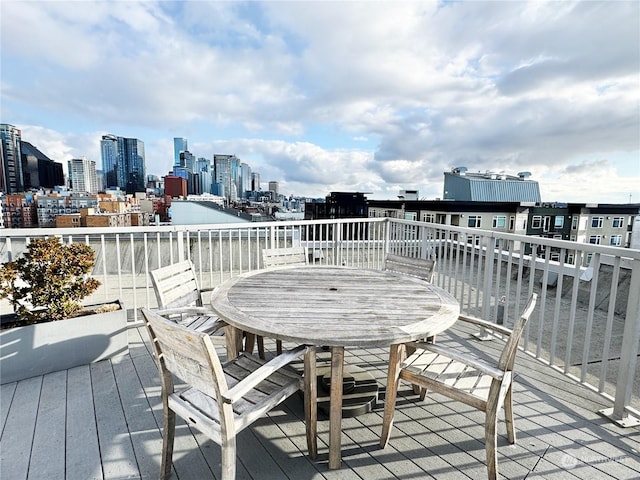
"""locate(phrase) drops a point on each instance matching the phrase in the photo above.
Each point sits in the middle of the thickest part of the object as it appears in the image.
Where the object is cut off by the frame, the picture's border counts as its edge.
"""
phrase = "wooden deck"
(102, 422)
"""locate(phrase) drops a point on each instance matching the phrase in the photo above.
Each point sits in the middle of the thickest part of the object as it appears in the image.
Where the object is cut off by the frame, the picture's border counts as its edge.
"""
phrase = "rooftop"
(103, 421)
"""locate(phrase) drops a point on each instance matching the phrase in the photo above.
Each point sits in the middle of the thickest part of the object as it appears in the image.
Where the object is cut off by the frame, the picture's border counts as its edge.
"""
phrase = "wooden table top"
(335, 306)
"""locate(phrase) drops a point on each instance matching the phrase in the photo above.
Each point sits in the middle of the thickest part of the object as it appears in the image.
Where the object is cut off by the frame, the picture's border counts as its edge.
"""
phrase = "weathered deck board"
(46, 459)
(116, 449)
(18, 430)
(559, 432)
(83, 450)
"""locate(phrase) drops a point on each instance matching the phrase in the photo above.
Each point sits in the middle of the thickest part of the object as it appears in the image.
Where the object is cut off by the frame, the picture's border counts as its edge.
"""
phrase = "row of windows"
(598, 222)
(537, 221)
(614, 240)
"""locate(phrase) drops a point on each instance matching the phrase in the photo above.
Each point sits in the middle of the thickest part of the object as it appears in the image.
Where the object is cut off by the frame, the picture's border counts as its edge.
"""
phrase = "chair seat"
(211, 325)
(451, 373)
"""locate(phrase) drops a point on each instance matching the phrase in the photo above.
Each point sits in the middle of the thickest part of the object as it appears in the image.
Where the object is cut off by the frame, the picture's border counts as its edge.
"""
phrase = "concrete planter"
(48, 347)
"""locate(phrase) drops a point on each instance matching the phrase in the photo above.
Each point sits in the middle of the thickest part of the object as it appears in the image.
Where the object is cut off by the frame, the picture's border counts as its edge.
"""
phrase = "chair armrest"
(468, 360)
(488, 325)
(249, 382)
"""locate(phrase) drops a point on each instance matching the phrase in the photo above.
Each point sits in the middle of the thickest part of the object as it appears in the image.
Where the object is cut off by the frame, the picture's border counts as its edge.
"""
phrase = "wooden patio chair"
(220, 400)
(180, 298)
(473, 381)
(414, 267)
(278, 257)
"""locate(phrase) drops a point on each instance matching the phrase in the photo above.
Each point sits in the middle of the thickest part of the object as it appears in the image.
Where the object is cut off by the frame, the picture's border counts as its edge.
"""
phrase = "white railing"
(586, 323)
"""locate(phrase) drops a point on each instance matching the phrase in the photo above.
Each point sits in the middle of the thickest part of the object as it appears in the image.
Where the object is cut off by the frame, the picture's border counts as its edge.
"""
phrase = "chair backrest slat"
(508, 356)
(416, 267)
(186, 353)
(176, 285)
(273, 257)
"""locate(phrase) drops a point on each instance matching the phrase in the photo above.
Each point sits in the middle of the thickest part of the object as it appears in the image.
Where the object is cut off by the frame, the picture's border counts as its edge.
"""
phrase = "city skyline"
(326, 96)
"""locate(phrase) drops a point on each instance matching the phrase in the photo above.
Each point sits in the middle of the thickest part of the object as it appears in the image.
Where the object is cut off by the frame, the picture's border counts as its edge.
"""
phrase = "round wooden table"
(337, 307)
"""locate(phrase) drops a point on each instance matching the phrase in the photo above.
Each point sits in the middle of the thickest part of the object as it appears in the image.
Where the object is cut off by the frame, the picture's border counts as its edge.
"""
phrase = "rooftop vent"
(460, 170)
(524, 175)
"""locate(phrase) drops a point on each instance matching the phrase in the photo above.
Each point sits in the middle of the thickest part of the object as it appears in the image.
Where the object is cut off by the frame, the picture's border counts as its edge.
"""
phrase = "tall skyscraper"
(109, 149)
(82, 175)
(255, 182)
(123, 162)
(38, 170)
(245, 179)
(222, 174)
(179, 146)
(203, 169)
(11, 178)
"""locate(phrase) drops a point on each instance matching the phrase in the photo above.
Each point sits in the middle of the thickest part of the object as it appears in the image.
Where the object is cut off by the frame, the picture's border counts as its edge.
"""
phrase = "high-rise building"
(245, 179)
(187, 160)
(179, 146)
(273, 187)
(123, 162)
(38, 170)
(109, 149)
(11, 178)
(82, 175)
(255, 182)
(227, 176)
(203, 169)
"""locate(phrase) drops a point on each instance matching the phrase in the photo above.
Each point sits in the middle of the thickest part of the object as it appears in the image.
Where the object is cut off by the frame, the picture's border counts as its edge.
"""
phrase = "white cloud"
(538, 86)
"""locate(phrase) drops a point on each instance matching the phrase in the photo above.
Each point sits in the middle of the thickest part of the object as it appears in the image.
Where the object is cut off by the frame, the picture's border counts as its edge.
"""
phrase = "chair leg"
(508, 414)
(228, 458)
(491, 443)
(417, 390)
(260, 342)
(249, 342)
(393, 379)
(169, 431)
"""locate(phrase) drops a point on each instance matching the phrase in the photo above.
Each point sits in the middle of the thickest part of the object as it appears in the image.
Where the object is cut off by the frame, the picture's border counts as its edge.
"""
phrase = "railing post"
(487, 283)
(628, 358)
(180, 239)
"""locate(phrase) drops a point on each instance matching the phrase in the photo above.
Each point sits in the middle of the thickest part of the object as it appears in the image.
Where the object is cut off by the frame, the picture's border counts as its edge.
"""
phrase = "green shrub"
(48, 282)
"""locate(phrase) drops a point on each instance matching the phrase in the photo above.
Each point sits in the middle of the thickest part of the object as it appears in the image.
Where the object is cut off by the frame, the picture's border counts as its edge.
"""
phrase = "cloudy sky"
(327, 96)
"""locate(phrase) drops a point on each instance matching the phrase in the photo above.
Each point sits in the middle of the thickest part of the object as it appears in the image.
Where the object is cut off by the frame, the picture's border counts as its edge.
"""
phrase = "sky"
(326, 96)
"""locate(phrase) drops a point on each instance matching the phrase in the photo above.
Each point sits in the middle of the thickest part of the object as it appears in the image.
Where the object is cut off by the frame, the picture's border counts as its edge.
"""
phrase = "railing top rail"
(81, 231)
(566, 244)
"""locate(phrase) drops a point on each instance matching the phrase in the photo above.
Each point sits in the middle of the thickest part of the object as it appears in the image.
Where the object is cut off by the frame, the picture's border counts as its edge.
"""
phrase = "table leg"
(233, 338)
(335, 413)
(311, 401)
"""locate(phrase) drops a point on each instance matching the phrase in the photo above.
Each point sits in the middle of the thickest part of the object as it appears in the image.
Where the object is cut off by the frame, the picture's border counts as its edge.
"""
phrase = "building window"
(616, 240)
(512, 223)
(595, 239)
(558, 222)
(410, 216)
(547, 224)
(474, 221)
(617, 222)
(574, 222)
(429, 217)
(596, 222)
(573, 238)
(536, 221)
(499, 221)
(570, 259)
